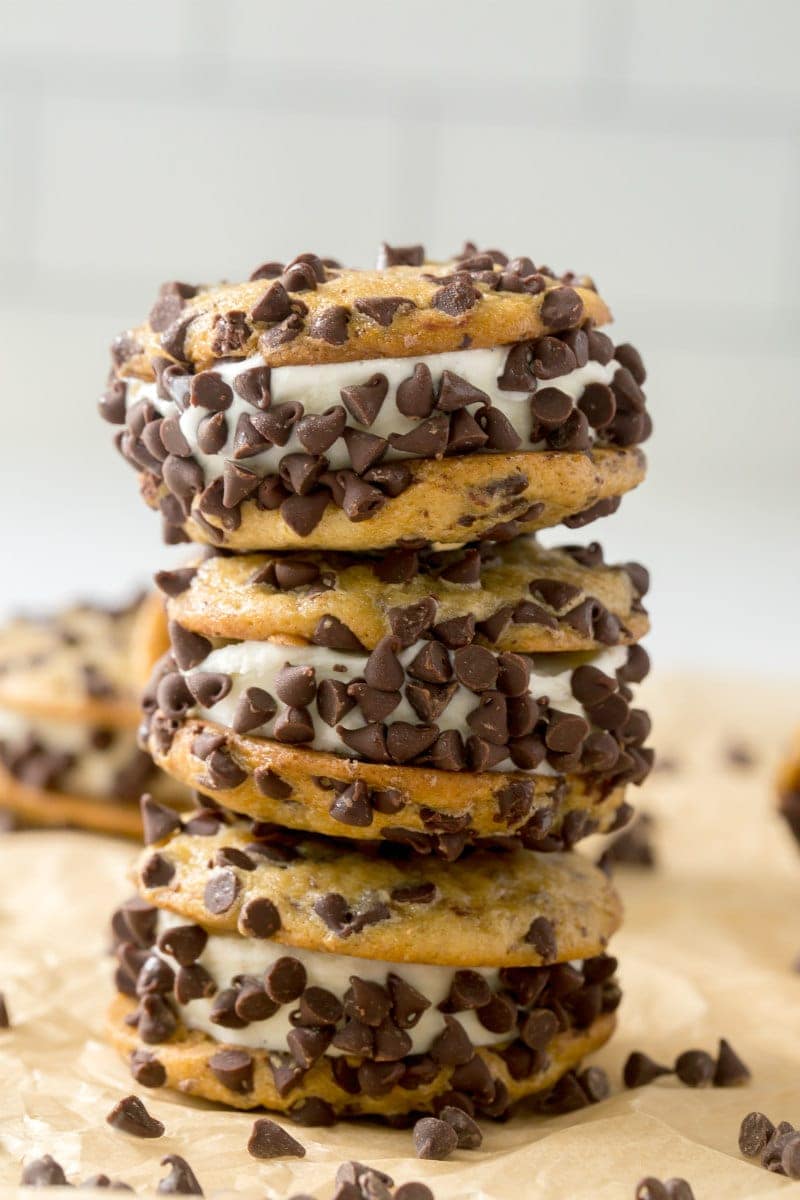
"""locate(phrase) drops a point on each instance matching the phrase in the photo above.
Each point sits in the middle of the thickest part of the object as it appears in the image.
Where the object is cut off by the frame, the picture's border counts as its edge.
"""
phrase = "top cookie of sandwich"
(314, 311)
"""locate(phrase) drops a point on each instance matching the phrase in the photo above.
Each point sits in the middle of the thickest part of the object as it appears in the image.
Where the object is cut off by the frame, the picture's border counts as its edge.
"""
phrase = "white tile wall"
(655, 146)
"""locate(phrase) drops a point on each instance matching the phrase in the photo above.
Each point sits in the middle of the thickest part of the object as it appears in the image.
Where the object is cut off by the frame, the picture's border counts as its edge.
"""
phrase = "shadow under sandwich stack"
(403, 711)
(69, 711)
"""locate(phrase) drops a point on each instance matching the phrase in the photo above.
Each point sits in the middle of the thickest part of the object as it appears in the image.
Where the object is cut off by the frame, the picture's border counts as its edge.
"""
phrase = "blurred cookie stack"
(403, 711)
(69, 711)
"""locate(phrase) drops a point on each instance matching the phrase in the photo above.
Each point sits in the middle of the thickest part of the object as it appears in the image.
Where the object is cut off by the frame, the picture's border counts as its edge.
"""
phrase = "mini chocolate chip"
(475, 667)
(363, 401)
(333, 701)
(383, 309)
(415, 396)
(468, 990)
(467, 1130)
(400, 256)
(456, 393)
(333, 634)
(285, 980)
(271, 785)
(729, 1071)
(274, 305)
(307, 1044)
(303, 513)
(365, 449)
(541, 935)
(452, 1046)
(221, 891)
(43, 1172)
(130, 1116)
(330, 324)
(434, 1138)
(234, 1069)
(428, 440)
(184, 942)
(189, 648)
(695, 1068)
(147, 1070)
(254, 707)
(181, 1179)
(640, 1069)
(158, 821)
(293, 726)
(173, 583)
(754, 1133)
(269, 1140)
(223, 771)
(317, 432)
(296, 686)
(157, 871)
(561, 308)
(259, 918)
(369, 741)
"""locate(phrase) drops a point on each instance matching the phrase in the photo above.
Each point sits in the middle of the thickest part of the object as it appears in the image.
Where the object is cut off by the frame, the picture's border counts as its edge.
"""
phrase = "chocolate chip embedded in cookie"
(498, 907)
(519, 595)
(369, 405)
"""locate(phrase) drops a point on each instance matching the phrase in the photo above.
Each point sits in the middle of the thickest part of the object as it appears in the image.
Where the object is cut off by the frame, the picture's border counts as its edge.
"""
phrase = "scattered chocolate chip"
(695, 1068)
(754, 1133)
(43, 1172)
(467, 1130)
(259, 918)
(434, 1138)
(640, 1069)
(181, 1179)
(729, 1071)
(130, 1116)
(270, 1140)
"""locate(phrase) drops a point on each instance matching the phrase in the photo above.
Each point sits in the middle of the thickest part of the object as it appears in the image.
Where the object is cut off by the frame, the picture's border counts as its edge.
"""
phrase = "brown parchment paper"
(706, 950)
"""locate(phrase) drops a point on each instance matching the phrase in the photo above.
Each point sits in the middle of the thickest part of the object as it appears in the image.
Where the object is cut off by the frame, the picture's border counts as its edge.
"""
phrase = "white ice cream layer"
(256, 664)
(318, 388)
(228, 955)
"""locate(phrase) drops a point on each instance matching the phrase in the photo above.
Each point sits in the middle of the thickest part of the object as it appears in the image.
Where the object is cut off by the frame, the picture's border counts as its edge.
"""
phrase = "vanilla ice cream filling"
(257, 664)
(318, 388)
(93, 772)
(228, 955)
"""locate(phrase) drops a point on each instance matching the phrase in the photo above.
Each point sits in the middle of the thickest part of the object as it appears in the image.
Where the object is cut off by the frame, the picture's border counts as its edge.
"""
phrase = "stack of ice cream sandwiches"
(401, 710)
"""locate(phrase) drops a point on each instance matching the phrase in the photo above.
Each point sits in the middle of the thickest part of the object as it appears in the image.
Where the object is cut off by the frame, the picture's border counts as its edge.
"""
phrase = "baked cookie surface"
(496, 908)
(521, 596)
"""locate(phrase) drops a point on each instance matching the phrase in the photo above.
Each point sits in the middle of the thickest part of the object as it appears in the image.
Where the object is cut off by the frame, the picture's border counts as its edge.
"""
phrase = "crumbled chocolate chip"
(434, 1138)
(259, 918)
(695, 1068)
(181, 1179)
(43, 1172)
(729, 1071)
(130, 1116)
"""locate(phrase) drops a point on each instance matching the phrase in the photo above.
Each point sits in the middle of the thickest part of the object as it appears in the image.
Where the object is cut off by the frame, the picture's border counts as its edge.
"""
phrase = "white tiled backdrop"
(652, 145)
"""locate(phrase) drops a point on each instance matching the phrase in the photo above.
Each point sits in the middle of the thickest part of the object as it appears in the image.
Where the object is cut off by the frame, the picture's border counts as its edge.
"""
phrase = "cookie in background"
(69, 712)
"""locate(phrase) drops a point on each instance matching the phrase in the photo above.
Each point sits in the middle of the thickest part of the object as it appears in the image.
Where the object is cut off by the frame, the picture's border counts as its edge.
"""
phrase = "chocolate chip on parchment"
(129, 1115)
(695, 1068)
(729, 1071)
(413, 1190)
(43, 1172)
(434, 1138)
(640, 1069)
(270, 1140)
(754, 1133)
(181, 1179)
(651, 1188)
(259, 918)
